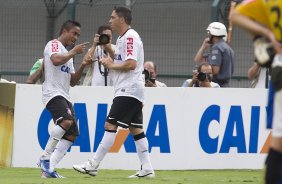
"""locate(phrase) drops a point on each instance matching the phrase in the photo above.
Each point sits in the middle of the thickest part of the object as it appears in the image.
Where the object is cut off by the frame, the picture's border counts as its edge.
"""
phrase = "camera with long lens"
(104, 39)
(202, 76)
(147, 75)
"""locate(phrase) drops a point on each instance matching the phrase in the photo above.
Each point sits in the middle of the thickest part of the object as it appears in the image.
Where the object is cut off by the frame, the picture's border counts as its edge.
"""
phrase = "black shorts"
(126, 112)
(61, 109)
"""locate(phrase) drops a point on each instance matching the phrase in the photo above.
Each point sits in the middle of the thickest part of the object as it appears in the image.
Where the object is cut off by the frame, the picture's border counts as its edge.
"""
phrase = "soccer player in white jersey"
(59, 76)
(129, 85)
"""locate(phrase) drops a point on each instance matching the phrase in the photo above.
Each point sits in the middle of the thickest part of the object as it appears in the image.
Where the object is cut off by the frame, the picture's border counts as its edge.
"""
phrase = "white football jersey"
(130, 83)
(57, 78)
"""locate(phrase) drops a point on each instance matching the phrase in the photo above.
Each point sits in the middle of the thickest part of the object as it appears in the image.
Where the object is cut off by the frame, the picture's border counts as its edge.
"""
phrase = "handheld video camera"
(104, 39)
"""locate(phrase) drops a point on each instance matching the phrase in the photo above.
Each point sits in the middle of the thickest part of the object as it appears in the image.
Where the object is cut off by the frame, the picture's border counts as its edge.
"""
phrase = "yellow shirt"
(267, 12)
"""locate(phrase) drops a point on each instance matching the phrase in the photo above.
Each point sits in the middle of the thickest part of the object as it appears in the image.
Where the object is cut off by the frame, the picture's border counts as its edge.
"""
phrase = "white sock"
(56, 135)
(60, 151)
(104, 146)
(142, 147)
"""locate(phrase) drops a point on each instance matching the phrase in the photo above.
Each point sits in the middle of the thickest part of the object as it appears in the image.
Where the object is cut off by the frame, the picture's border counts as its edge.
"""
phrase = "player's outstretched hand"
(87, 60)
(78, 49)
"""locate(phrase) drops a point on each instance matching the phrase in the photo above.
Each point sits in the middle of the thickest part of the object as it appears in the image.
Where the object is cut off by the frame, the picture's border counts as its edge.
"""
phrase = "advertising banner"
(187, 128)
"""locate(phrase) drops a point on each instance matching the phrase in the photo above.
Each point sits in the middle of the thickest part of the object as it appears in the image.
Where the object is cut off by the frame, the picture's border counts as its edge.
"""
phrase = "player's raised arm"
(59, 59)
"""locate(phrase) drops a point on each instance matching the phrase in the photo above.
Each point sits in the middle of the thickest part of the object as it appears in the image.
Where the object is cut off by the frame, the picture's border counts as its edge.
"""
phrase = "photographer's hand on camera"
(149, 83)
(150, 80)
(95, 40)
(104, 41)
(194, 79)
(204, 79)
(199, 80)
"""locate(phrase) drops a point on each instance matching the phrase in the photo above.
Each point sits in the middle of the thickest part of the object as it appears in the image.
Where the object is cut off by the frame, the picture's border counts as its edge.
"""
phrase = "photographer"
(98, 75)
(217, 53)
(150, 72)
(259, 76)
(202, 77)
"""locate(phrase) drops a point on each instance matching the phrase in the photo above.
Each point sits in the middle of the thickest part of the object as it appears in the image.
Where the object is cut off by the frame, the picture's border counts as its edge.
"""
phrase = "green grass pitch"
(32, 176)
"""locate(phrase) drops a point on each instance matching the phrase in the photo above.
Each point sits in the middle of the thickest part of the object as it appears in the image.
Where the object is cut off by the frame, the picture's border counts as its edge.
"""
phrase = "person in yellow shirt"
(263, 18)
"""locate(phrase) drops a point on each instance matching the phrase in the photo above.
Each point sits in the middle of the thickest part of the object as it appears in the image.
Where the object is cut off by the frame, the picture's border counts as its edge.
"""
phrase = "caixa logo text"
(234, 132)
(157, 123)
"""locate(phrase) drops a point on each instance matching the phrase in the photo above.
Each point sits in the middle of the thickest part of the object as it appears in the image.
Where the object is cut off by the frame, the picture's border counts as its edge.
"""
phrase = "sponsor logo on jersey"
(118, 57)
(55, 46)
(129, 46)
(65, 69)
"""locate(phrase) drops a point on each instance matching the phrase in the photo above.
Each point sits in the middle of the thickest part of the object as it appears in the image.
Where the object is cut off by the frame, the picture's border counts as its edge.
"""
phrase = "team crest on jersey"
(55, 46)
(129, 46)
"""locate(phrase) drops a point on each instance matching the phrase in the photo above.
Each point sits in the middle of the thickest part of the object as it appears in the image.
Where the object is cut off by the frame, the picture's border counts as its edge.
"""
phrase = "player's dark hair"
(125, 13)
(69, 24)
(103, 28)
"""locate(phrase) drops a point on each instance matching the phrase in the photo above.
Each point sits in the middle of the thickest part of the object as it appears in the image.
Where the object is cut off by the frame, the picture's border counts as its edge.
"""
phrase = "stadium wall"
(172, 32)
(187, 128)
